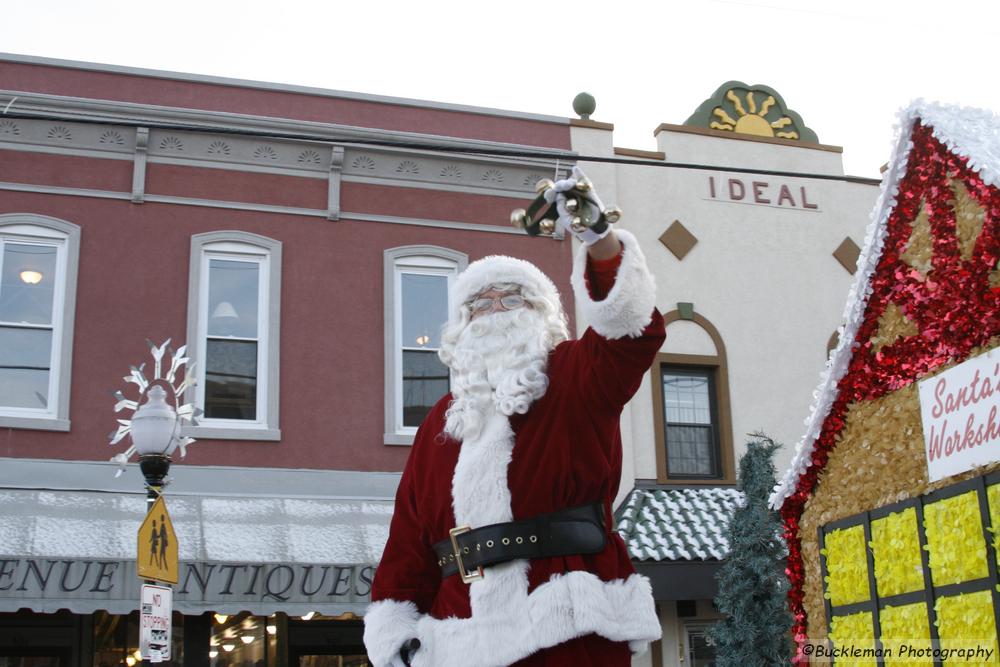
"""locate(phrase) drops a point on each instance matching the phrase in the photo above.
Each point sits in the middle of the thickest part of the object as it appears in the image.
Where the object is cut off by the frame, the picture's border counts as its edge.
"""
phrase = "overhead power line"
(540, 153)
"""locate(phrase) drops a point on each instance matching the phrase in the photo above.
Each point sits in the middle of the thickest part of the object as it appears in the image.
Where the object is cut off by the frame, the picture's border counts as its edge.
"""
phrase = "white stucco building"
(753, 246)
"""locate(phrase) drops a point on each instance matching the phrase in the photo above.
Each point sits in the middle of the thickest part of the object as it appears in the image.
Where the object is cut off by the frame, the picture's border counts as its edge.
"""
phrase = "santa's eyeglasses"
(507, 302)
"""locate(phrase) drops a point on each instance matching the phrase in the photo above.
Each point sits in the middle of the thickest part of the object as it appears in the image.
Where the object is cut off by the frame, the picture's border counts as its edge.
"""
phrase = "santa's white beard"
(498, 365)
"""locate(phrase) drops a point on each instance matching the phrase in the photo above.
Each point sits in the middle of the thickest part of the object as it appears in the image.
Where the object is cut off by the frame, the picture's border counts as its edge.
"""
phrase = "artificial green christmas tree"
(753, 587)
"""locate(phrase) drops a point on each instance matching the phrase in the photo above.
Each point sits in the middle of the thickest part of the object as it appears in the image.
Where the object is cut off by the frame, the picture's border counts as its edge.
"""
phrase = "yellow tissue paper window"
(846, 566)
(966, 621)
(906, 635)
(993, 496)
(955, 539)
(854, 633)
(896, 550)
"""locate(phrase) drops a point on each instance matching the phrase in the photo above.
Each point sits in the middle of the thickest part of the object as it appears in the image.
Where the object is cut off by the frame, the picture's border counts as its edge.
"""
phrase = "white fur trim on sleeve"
(628, 308)
(388, 625)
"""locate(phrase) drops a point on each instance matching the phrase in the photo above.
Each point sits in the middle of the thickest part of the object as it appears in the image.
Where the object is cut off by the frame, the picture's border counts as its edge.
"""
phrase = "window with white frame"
(417, 282)
(38, 269)
(233, 330)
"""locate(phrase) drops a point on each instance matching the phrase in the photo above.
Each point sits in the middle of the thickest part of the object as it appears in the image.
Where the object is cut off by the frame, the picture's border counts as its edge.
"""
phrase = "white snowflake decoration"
(185, 413)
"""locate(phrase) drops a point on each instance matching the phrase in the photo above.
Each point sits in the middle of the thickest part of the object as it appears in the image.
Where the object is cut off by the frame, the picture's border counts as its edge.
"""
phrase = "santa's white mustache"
(498, 364)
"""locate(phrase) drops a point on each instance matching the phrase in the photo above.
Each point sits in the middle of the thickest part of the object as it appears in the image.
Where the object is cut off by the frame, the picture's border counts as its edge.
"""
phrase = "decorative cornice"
(496, 176)
(132, 113)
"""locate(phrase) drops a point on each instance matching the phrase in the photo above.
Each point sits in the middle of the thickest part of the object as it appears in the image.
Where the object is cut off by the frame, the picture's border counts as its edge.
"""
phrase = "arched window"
(417, 282)
(234, 309)
(693, 423)
(39, 257)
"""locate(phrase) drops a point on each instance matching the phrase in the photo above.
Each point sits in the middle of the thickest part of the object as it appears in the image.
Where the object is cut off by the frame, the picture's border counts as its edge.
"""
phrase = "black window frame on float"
(930, 593)
(708, 373)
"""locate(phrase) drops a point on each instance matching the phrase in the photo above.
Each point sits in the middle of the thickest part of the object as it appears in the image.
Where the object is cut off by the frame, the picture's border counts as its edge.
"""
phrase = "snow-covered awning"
(76, 549)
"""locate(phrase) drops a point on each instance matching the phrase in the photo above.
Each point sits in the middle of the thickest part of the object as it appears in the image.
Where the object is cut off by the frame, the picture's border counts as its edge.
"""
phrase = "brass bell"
(572, 205)
(613, 214)
(583, 186)
(543, 185)
(519, 218)
(547, 226)
(577, 225)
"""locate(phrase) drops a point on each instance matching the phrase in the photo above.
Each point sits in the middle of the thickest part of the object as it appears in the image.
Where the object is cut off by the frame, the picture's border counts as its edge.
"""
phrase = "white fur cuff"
(628, 308)
(388, 625)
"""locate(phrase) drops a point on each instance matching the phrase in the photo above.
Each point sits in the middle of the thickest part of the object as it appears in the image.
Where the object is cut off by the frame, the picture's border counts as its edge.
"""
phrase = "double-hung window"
(233, 334)
(38, 268)
(691, 426)
(691, 409)
(417, 283)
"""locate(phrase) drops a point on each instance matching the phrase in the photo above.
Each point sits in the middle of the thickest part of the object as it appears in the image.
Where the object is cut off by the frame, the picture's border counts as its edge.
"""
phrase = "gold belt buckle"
(467, 577)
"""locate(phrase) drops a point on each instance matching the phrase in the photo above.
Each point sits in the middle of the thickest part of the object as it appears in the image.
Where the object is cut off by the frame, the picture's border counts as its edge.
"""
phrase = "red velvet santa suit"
(566, 451)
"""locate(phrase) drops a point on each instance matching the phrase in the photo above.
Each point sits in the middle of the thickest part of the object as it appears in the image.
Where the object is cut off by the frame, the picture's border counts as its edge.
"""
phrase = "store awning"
(676, 537)
(76, 549)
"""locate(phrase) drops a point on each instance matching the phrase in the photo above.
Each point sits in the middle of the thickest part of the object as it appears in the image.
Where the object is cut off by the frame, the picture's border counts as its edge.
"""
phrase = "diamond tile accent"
(677, 524)
(847, 254)
(678, 239)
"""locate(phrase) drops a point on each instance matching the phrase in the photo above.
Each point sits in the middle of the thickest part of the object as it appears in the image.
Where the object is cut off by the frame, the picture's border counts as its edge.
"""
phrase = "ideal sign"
(959, 409)
(760, 192)
(154, 623)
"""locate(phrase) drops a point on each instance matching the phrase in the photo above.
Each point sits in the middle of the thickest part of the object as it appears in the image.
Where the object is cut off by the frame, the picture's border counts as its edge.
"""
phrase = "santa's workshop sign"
(959, 410)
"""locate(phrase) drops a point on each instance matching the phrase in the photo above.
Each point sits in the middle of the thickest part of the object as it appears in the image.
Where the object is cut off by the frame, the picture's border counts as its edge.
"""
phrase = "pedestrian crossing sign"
(157, 546)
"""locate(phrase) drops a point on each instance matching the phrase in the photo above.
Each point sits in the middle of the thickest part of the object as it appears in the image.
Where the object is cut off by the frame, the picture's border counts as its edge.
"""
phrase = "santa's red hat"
(499, 269)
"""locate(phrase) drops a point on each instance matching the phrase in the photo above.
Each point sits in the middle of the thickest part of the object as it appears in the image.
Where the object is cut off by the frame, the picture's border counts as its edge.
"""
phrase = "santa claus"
(502, 548)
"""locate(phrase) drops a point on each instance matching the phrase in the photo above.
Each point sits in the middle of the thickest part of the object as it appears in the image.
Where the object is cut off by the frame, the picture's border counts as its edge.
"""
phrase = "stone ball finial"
(584, 105)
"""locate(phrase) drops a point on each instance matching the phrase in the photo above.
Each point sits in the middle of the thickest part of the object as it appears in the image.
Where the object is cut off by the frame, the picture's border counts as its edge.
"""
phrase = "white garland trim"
(628, 308)
(388, 625)
(970, 133)
(564, 608)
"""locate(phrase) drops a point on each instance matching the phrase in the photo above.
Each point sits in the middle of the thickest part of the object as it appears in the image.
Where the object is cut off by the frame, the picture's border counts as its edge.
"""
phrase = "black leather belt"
(573, 531)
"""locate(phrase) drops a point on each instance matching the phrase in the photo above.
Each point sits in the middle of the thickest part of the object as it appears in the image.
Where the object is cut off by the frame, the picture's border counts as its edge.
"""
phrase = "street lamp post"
(155, 431)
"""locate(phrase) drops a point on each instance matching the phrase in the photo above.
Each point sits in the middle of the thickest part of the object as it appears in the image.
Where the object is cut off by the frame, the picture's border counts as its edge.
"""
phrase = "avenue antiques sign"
(46, 584)
(959, 410)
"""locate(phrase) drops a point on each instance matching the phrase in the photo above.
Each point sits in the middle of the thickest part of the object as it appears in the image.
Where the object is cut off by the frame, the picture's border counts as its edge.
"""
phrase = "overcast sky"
(846, 67)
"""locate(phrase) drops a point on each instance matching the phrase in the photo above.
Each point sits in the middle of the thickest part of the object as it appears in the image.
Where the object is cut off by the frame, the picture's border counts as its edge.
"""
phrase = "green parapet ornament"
(756, 110)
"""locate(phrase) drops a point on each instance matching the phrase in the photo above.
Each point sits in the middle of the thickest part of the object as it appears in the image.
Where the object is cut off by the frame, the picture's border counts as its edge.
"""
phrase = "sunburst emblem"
(753, 121)
(407, 167)
(172, 144)
(174, 385)
(265, 153)
(493, 176)
(309, 157)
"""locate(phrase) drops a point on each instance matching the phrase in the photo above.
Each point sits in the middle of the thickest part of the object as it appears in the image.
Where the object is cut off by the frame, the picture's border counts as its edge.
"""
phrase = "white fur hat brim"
(499, 269)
